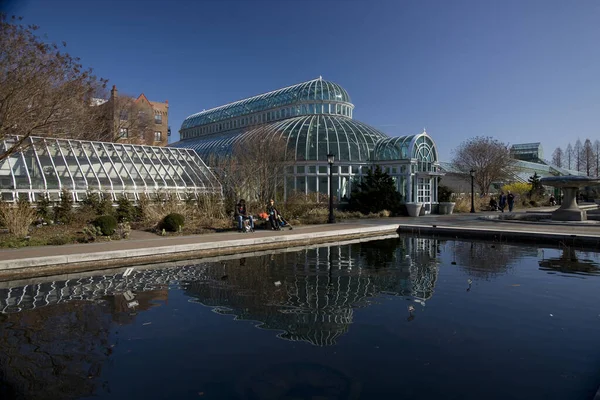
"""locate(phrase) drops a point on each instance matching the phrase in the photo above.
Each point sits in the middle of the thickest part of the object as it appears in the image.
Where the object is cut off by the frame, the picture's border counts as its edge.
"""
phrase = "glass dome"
(316, 90)
(311, 137)
(420, 147)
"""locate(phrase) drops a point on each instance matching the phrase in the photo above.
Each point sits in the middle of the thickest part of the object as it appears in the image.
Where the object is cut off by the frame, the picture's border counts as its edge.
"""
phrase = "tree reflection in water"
(53, 353)
(484, 260)
(310, 295)
(54, 336)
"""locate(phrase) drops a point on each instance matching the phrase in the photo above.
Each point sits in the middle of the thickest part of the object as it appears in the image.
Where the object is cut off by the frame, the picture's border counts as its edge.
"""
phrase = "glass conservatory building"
(49, 165)
(314, 118)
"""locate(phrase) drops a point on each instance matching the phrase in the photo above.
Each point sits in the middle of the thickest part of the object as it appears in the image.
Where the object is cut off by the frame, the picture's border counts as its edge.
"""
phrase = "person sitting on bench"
(242, 214)
(273, 215)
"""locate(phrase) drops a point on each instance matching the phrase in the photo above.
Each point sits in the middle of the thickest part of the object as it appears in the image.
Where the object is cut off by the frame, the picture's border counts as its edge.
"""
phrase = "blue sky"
(516, 70)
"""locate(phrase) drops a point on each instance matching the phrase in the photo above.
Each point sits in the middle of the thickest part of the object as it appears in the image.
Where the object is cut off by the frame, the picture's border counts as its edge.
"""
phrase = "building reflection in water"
(54, 336)
(90, 288)
(310, 295)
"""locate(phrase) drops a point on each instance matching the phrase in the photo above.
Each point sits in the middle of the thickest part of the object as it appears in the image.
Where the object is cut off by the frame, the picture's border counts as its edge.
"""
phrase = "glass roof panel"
(302, 92)
(311, 137)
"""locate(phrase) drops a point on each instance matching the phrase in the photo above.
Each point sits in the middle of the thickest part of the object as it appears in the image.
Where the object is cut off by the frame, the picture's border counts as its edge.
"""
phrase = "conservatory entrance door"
(424, 194)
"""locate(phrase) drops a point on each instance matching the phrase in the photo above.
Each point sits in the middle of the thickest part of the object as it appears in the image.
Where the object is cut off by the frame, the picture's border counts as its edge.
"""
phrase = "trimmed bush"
(91, 202)
(105, 207)
(43, 208)
(172, 222)
(60, 240)
(376, 192)
(444, 194)
(125, 209)
(63, 211)
(106, 223)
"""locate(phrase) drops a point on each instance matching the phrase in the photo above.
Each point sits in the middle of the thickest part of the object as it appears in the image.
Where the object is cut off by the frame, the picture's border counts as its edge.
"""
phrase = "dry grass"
(52, 235)
(463, 204)
(203, 213)
(17, 218)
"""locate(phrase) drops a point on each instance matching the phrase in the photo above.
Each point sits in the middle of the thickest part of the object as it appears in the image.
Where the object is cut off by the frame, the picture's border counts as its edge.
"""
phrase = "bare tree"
(122, 119)
(569, 156)
(587, 157)
(577, 152)
(597, 155)
(557, 157)
(488, 157)
(256, 167)
(42, 90)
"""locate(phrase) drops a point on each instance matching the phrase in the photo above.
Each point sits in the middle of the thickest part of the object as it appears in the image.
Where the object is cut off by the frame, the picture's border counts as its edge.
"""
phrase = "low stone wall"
(52, 265)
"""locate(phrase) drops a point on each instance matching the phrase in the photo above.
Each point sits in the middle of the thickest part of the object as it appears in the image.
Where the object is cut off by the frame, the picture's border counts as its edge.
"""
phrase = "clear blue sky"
(517, 70)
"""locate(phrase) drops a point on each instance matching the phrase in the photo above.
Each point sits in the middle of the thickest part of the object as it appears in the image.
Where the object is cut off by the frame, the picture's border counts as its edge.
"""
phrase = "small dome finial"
(320, 78)
(424, 130)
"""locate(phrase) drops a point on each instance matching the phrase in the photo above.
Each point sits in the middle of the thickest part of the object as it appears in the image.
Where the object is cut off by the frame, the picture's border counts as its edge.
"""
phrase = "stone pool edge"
(81, 262)
(504, 235)
(147, 253)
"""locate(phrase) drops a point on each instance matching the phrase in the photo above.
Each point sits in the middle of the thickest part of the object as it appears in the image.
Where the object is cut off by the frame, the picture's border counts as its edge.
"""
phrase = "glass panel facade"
(314, 118)
(275, 103)
(49, 165)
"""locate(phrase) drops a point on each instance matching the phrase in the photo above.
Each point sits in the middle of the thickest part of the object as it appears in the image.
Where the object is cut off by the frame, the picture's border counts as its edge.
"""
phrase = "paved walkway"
(143, 248)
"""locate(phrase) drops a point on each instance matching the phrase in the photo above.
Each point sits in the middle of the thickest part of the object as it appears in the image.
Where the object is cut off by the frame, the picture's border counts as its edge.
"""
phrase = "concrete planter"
(425, 209)
(446, 208)
(413, 209)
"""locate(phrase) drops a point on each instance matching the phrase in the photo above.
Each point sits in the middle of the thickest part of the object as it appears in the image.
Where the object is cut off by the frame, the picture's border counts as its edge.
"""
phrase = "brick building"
(139, 120)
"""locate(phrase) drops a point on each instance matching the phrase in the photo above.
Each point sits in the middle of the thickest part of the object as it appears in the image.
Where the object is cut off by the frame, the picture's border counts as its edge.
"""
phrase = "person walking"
(510, 199)
(502, 201)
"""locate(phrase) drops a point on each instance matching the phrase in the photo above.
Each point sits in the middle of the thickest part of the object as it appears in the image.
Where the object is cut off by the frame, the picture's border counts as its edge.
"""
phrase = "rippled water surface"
(400, 318)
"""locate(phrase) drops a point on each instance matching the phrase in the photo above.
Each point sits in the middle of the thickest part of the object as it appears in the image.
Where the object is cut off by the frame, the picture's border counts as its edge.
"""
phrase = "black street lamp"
(330, 160)
(472, 171)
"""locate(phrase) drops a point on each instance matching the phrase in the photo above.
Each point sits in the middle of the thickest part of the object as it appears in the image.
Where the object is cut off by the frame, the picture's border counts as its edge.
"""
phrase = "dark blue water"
(401, 318)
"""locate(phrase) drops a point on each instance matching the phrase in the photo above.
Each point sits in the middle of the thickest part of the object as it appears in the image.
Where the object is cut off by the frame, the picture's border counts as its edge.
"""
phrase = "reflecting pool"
(397, 318)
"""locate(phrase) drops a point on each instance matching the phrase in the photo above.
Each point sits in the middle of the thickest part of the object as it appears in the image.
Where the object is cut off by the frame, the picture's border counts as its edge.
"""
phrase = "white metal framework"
(413, 162)
(314, 118)
(46, 166)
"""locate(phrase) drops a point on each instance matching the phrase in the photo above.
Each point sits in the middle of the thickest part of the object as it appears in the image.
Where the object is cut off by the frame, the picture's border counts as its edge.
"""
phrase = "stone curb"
(504, 235)
(135, 256)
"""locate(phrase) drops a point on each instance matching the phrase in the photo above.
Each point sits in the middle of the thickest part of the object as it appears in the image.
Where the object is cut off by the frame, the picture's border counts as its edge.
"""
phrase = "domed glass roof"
(311, 137)
(315, 90)
(419, 146)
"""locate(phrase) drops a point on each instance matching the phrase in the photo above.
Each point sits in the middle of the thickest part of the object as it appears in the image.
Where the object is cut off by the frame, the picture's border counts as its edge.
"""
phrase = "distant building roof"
(162, 107)
(527, 151)
(449, 168)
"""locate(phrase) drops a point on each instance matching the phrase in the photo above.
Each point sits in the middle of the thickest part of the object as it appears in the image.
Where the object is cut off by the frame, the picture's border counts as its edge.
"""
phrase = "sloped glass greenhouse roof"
(310, 137)
(48, 165)
(314, 90)
(419, 146)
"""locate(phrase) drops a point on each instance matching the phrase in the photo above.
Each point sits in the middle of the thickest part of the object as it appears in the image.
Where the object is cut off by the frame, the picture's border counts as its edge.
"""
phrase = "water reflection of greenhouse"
(28, 297)
(310, 295)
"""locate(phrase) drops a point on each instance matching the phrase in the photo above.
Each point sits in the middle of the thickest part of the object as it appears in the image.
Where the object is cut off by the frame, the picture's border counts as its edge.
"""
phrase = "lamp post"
(330, 160)
(472, 171)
